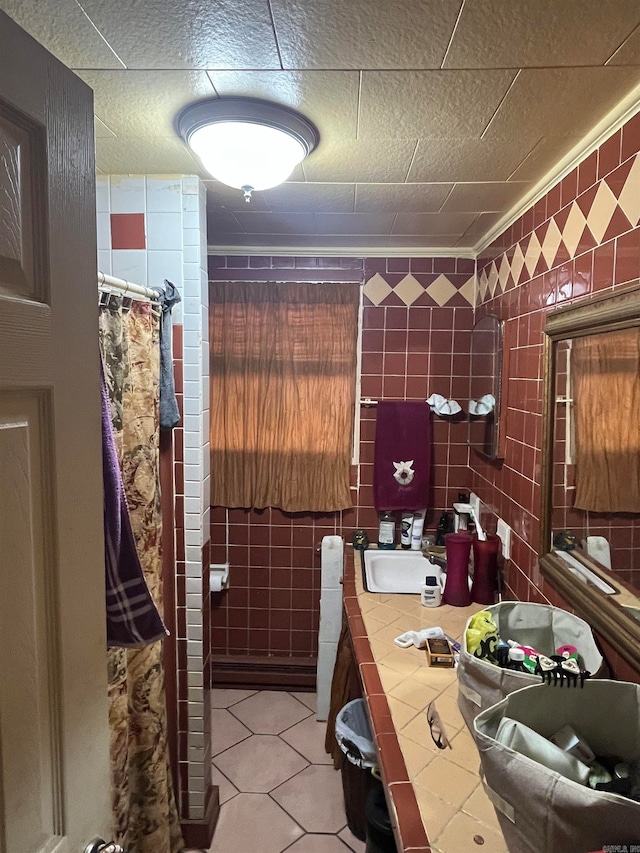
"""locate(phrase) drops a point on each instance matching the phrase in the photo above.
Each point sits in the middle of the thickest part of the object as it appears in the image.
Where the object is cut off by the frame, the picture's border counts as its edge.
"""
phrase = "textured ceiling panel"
(468, 159)
(478, 228)
(188, 33)
(276, 223)
(63, 28)
(136, 155)
(327, 98)
(410, 104)
(522, 33)
(364, 34)
(321, 198)
(403, 198)
(629, 52)
(385, 161)
(432, 224)
(354, 223)
(436, 117)
(575, 99)
(145, 103)
(484, 197)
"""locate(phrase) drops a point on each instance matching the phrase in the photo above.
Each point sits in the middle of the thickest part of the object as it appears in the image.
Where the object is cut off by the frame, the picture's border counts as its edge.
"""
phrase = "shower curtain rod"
(110, 283)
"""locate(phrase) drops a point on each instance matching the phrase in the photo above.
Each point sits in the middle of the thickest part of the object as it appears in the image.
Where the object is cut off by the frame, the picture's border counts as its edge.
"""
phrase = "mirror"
(484, 385)
(590, 452)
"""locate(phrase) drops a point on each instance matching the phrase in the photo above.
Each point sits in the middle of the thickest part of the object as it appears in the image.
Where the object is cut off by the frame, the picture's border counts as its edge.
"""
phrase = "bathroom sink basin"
(397, 571)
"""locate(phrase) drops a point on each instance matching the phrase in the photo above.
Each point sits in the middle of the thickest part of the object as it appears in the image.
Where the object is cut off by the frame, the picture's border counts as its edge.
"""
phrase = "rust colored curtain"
(283, 374)
(145, 817)
(606, 394)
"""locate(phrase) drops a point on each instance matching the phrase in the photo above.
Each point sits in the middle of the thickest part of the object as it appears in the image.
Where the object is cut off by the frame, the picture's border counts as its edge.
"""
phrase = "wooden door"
(54, 772)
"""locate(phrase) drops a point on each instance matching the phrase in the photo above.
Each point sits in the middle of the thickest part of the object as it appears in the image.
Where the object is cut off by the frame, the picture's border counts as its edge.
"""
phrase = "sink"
(397, 571)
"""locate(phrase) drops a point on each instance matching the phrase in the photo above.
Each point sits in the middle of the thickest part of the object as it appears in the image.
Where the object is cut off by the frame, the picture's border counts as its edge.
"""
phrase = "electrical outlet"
(504, 532)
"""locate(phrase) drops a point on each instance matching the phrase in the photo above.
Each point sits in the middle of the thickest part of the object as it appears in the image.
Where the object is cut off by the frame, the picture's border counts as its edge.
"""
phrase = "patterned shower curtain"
(144, 811)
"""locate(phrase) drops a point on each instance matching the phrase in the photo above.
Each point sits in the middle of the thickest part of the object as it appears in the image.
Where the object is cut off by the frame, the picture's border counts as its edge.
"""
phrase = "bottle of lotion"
(431, 592)
(416, 531)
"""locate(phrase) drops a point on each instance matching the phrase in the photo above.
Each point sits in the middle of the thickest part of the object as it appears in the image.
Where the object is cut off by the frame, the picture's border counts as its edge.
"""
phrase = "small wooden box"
(440, 653)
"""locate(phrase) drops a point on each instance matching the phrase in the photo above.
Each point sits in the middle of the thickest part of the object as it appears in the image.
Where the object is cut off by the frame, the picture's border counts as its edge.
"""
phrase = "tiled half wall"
(581, 238)
(152, 228)
(415, 341)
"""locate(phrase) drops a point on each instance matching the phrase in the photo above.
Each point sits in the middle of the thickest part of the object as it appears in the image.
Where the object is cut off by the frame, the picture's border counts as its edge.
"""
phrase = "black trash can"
(353, 734)
(379, 831)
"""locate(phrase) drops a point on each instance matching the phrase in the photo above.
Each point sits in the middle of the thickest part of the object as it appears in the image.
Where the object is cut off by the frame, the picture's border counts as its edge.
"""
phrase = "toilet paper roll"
(216, 581)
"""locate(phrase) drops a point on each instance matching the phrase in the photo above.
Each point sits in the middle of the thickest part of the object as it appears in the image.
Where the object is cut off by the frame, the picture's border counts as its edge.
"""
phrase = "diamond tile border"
(561, 242)
(409, 290)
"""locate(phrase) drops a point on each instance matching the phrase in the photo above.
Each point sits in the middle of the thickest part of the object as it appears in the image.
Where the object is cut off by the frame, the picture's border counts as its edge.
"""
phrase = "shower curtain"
(144, 810)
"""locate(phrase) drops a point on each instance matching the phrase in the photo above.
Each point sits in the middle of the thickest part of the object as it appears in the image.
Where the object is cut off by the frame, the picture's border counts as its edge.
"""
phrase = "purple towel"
(132, 616)
(403, 436)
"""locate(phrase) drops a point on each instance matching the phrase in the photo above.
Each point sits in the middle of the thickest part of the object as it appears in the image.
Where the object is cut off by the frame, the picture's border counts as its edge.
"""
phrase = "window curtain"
(606, 371)
(283, 375)
(144, 812)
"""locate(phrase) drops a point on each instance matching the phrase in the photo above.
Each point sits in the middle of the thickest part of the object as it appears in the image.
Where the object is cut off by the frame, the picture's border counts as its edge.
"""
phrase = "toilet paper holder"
(218, 577)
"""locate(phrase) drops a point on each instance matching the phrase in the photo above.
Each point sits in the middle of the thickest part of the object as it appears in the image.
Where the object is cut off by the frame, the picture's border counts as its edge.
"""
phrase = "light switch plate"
(504, 532)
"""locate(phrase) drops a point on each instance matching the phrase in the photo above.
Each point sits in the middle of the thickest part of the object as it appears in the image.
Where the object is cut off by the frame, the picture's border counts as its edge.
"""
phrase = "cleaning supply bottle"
(406, 530)
(387, 531)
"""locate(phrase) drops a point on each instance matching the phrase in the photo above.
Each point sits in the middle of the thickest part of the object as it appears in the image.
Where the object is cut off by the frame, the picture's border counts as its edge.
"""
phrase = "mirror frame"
(597, 315)
(496, 430)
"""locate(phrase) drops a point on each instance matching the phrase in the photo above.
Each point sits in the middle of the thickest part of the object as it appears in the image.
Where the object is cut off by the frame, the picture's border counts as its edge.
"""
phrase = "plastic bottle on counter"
(387, 531)
(431, 592)
(406, 530)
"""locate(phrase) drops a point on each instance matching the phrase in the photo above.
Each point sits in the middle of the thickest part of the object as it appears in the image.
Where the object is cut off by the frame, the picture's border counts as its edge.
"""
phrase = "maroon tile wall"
(272, 606)
(582, 237)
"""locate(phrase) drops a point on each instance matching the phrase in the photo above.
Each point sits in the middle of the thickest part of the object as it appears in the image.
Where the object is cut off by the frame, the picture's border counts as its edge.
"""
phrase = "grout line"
(453, 32)
(501, 102)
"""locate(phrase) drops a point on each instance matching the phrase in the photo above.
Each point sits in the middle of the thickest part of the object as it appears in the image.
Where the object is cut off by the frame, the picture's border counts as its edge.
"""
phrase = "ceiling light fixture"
(245, 142)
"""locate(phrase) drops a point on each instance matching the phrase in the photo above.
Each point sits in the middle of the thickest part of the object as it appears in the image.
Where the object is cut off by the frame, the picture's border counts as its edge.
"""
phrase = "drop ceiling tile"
(407, 104)
(361, 34)
(145, 103)
(183, 34)
(462, 159)
(64, 30)
(524, 34)
(327, 98)
(485, 197)
(629, 51)
(221, 222)
(432, 223)
(543, 157)
(354, 223)
(136, 155)
(381, 161)
(276, 223)
(311, 198)
(481, 225)
(101, 129)
(401, 198)
(560, 101)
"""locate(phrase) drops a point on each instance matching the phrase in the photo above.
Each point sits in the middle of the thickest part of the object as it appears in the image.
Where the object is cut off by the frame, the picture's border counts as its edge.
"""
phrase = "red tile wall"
(512, 487)
(272, 606)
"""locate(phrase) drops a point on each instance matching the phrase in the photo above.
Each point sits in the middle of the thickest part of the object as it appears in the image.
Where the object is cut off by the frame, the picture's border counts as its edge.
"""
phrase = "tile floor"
(278, 788)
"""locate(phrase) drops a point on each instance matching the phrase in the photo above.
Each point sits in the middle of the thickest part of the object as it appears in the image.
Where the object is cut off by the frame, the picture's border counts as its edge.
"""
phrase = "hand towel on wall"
(402, 456)
(169, 412)
(132, 617)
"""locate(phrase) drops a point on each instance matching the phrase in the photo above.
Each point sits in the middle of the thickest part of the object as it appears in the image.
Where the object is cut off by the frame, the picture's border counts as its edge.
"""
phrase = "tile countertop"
(436, 797)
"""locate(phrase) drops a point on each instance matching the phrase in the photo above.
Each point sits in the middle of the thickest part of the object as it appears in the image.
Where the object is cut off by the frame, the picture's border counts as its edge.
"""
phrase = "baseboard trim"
(198, 834)
(254, 672)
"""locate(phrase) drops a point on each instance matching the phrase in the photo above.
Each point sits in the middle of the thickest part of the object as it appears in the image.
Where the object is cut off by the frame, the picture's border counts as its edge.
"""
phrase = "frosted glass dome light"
(246, 143)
